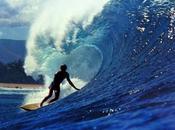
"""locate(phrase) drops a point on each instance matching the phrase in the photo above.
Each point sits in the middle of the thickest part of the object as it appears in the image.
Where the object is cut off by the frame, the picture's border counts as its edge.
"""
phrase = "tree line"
(14, 73)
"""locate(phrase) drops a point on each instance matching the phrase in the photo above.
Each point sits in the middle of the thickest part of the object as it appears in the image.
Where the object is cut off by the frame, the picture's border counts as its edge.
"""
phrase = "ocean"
(11, 99)
(126, 56)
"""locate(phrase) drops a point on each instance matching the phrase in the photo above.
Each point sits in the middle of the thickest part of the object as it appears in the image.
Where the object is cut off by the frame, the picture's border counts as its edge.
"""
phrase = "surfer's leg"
(57, 95)
(47, 97)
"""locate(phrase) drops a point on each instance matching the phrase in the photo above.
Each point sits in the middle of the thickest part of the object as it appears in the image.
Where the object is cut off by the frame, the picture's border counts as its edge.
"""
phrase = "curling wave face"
(56, 41)
(134, 87)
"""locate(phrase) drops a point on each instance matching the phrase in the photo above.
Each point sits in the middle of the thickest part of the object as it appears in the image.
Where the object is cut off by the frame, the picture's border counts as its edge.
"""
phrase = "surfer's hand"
(76, 88)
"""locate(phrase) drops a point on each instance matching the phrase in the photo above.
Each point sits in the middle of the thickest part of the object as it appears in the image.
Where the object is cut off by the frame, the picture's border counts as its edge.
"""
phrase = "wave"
(132, 86)
(52, 43)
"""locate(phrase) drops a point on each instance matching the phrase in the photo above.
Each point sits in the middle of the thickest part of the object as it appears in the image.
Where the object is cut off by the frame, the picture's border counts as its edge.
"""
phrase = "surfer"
(55, 85)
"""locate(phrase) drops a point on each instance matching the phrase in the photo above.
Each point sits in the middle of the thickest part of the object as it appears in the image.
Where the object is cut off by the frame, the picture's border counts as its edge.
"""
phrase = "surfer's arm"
(70, 82)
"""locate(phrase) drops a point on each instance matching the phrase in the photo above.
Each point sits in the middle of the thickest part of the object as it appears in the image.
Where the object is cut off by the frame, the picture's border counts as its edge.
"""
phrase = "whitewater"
(121, 53)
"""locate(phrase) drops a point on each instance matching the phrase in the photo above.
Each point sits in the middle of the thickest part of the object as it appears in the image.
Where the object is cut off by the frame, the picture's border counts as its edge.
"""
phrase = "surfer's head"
(63, 67)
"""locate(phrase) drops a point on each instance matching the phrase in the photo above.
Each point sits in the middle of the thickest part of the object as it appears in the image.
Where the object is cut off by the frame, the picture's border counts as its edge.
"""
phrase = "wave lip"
(53, 43)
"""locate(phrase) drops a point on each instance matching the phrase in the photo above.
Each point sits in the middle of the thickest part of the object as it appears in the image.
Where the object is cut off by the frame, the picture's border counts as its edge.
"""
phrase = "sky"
(16, 17)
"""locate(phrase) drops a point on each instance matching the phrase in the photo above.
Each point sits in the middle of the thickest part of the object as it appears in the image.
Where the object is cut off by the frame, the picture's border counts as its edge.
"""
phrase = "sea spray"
(53, 41)
(36, 96)
(45, 46)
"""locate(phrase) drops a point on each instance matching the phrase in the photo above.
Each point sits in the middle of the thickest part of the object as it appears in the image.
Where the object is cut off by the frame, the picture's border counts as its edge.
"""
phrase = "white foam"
(66, 89)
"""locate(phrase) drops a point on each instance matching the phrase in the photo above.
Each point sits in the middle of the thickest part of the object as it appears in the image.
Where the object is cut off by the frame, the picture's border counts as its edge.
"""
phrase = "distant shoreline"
(20, 86)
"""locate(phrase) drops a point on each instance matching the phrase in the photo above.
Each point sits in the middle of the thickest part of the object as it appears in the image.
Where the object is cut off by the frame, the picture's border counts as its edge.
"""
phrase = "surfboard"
(31, 107)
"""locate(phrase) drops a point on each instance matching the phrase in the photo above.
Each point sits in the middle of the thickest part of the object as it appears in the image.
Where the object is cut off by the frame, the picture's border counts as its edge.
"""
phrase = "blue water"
(10, 102)
(135, 87)
(9, 105)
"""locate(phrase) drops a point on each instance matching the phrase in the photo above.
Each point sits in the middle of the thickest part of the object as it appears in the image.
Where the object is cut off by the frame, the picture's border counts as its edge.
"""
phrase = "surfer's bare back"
(55, 85)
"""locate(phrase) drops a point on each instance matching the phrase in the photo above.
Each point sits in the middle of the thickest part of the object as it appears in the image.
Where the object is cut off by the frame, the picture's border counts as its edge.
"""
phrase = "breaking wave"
(123, 50)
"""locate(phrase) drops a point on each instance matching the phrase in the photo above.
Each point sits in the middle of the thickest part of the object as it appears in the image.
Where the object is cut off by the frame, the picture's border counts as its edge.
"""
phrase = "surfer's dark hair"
(63, 67)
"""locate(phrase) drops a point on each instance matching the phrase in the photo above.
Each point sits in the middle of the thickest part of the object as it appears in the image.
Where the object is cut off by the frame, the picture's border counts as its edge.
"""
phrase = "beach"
(20, 86)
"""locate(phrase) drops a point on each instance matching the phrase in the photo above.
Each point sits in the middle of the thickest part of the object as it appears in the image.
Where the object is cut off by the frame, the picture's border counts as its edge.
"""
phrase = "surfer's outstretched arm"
(70, 82)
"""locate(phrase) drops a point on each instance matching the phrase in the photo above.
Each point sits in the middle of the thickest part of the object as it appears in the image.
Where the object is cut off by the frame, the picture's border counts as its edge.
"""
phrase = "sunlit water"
(135, 84)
